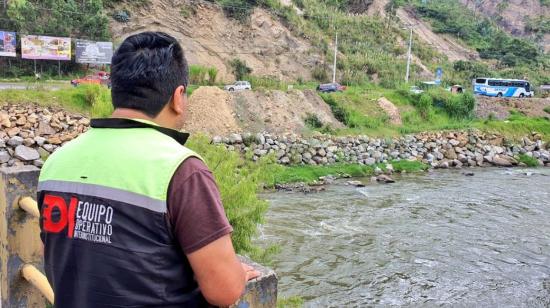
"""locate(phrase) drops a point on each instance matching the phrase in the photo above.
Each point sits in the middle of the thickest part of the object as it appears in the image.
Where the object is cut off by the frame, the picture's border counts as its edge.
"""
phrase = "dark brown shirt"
(195, 211)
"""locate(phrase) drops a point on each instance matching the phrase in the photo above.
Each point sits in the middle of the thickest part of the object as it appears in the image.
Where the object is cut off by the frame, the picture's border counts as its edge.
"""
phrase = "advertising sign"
(7, 44)
(93, 52)
(46, 47)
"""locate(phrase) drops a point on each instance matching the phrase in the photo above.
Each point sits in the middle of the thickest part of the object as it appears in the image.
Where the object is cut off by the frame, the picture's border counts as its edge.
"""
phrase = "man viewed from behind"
(130, 217)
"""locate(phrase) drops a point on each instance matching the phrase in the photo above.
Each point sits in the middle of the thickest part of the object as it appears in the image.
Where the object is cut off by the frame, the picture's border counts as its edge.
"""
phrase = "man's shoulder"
(189, 167)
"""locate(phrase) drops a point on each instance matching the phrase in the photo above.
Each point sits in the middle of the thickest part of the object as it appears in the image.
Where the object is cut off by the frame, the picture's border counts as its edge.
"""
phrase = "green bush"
(528, 160)
(313, 121)
(425, 106)
(547, 109)
(239, 181)
(338, 111)
(239, 69)
(460, 106)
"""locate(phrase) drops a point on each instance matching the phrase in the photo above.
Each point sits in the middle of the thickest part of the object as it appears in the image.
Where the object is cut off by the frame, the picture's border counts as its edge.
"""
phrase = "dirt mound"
(280, 112)
(211, 39)
(210, 111)
(500, 107)
(390, 109)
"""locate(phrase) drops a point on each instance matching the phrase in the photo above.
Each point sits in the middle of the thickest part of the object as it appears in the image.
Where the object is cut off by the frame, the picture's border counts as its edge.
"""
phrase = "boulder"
(26, 154)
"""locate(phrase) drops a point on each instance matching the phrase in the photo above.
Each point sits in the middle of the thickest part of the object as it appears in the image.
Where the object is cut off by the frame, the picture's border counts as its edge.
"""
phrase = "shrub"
(239, 69)
(460, 106)
(319, 73)
(425, 106)
(547, 109)
(338, 111)
(313, 121)
(239, 181)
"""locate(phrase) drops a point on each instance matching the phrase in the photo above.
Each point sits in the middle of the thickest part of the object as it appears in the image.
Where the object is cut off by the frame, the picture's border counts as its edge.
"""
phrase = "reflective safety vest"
(103, 205)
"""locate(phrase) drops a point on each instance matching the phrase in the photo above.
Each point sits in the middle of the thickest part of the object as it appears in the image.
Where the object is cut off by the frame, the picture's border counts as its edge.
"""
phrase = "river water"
(432, 239)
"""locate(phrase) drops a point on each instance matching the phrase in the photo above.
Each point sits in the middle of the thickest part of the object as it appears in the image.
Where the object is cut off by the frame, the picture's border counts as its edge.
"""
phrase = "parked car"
(330, 87)
(238, 86)
(416, 90)
(101, 78)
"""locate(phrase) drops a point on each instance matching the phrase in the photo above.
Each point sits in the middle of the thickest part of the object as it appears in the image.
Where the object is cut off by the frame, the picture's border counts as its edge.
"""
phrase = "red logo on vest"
(66, 214)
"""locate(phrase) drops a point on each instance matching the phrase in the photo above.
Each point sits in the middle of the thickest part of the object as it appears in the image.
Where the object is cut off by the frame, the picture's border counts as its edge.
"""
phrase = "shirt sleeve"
(195, 211)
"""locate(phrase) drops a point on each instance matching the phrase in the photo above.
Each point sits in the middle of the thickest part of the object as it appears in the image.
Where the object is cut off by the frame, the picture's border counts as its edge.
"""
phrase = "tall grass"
(201, 75)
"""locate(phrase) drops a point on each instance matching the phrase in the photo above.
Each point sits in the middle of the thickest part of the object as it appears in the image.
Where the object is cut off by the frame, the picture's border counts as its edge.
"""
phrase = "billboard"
(94, 52)
(45, 47)
(7, 44)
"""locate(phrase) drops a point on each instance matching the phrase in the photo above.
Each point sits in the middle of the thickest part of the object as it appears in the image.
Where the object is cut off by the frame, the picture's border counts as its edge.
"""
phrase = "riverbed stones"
(25, 153)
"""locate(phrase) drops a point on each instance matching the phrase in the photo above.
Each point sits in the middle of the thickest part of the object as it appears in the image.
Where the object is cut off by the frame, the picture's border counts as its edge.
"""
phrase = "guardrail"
(22, 283)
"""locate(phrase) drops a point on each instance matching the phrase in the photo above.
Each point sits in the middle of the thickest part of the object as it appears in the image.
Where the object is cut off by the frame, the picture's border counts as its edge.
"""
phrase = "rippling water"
(433, 239)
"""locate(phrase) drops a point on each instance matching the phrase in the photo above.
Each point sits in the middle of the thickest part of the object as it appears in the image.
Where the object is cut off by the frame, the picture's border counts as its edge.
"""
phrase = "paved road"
(31, 85)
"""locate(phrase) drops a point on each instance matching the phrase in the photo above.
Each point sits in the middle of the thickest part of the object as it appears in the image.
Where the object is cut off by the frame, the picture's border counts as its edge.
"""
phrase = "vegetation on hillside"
(516, 57)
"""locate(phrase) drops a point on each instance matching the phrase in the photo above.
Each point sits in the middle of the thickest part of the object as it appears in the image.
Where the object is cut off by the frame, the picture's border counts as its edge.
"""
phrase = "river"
(431, 239)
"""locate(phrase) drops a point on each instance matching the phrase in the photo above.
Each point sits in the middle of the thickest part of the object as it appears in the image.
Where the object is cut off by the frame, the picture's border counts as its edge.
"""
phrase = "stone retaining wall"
(28, 134)
(440, 150)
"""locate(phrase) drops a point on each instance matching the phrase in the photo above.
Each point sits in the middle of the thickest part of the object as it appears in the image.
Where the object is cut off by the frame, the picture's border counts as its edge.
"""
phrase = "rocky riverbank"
(28, 134)
(438, 149)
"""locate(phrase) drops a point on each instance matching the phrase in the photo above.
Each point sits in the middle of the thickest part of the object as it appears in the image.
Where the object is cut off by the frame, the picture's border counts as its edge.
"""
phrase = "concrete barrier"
(21, 255)
(19, 238)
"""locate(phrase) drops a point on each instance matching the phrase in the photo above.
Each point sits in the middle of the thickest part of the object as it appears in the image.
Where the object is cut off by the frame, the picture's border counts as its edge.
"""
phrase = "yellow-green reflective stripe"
(106, 192)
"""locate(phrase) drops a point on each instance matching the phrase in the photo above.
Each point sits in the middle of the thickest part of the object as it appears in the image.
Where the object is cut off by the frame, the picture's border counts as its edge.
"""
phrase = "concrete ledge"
(19, 238)
(260, 292)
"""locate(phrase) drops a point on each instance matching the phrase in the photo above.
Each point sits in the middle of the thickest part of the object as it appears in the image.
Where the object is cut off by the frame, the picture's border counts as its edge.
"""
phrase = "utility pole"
(409, 55)
(335, 53)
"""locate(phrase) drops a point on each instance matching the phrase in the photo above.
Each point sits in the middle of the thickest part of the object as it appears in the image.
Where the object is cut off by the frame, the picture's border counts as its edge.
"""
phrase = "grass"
(290, 302)
(528, 160)
(516, 126)
(310, 174)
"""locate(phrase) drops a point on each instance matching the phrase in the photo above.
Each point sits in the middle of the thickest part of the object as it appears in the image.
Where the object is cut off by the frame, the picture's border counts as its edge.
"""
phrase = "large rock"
(15, 141)
(26, 154)
(502, 161)
(44, 129)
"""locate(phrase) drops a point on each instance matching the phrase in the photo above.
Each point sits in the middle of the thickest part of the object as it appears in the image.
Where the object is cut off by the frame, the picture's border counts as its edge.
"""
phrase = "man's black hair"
(146, 70)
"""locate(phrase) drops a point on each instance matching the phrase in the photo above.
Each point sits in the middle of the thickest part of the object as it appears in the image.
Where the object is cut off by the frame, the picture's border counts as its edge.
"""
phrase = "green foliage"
(540, 24)
(319, 73)
(290, 302)
(239, 181)
(239, 69)
(200, 75)
(547, 109)
(310, 174)
(240, 10)
(425, 106)
(460, 106)
(85, 19)
(97, 98)
(451, 17)
(313, 121)
(528, 160)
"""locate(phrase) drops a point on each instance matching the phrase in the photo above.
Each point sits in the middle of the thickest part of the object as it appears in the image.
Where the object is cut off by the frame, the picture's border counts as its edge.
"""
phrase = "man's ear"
(178, 102)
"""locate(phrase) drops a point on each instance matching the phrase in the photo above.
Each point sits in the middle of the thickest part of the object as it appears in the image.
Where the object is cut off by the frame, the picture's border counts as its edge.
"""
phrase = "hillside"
(209, 38)
(515, 16)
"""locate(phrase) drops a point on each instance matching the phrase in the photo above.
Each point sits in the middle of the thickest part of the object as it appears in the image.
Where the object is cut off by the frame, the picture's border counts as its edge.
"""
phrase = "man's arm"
(197, 217)
(220, 275)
